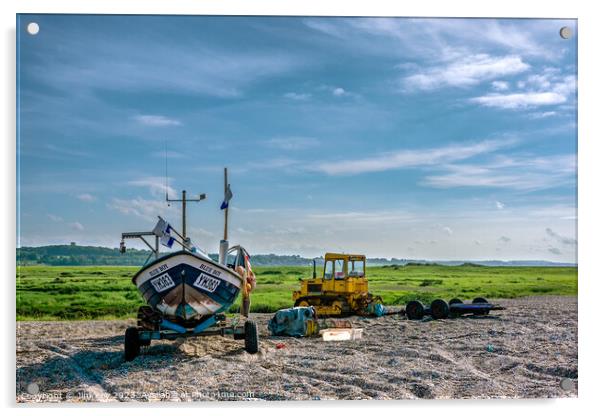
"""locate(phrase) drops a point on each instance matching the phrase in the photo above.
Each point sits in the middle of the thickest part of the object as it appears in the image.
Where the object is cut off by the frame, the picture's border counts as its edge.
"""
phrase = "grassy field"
(45, 293)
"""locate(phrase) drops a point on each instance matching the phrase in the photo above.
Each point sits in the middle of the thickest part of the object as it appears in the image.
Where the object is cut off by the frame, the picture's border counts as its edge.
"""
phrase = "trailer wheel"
(454, 301)
(251, 338)
(414, 310)
(439, 309)
(131, 344)
(481, 300)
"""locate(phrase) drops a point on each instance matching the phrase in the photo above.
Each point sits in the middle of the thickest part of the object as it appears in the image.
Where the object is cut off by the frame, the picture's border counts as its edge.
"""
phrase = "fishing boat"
(186, 291)
(190, 285)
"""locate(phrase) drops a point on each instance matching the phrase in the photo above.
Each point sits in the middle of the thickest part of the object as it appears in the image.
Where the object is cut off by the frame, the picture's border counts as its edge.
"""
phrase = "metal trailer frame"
(140, 336)
(440, 309)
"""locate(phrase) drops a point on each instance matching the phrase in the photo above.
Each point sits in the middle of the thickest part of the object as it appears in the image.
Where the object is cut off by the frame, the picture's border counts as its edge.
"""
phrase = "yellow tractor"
(342, 289)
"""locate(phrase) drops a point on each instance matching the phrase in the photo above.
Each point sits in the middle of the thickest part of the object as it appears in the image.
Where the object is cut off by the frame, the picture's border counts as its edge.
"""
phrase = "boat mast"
(223, 244)
(226, 210)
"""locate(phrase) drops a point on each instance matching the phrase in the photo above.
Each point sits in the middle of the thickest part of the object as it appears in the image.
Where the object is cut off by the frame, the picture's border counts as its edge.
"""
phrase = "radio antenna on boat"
(183, 200)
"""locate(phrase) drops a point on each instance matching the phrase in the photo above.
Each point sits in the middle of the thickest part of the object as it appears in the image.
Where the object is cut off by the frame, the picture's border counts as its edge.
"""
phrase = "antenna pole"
(186, 240)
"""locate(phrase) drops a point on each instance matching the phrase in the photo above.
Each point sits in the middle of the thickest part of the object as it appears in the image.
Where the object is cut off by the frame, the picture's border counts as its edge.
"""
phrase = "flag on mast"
(162, 230)
(227, 197)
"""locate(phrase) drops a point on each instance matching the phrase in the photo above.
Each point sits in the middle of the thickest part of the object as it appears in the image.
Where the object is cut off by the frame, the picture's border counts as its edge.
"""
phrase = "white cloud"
(76, 226)
(412, 158)
(358, 217)
(297, 96)
(155, 184)
(544, 89)
(519, 100)
(543, 114)
(466, 71)
(339, 92)
(520, 173)
(500, 85)
(86, 197)
(54, 218)
(505, 239)
(448, 230)
(292, 143)
(147, 209)
(499, 205)
(156, 121)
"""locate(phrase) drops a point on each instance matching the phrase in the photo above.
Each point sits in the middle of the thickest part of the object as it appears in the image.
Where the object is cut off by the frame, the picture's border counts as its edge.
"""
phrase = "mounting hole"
(567, 384)
(565, 32)
(33, 28)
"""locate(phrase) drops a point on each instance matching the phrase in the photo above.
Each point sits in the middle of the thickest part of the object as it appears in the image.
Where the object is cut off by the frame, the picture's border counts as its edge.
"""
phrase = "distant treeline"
(74, 255)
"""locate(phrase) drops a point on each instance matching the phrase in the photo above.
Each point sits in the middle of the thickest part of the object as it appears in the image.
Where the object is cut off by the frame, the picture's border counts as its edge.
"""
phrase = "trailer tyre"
(480, 300)
(439, 309)
(415, 310)
(131, 343)
(251, 338)
(455, 301)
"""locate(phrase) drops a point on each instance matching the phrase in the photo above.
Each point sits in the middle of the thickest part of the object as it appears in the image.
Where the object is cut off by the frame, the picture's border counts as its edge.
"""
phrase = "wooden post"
(184, 216)
(226, 210)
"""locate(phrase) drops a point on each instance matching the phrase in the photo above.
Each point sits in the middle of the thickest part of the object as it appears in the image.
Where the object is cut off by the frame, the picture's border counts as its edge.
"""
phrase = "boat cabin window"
(339, 273)
(328, 266)
(355, 268)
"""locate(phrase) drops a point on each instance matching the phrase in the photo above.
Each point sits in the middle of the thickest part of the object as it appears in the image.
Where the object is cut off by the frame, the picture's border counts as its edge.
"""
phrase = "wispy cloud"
(292, 143)
(545, 89)
(77, 226)
(297, 96)
(121, 64)
(564, 240)
(147, 209)
(54, 218)
(504, 239)
(499, 205)
(467, 71)
(86, 197)
(500, 85)
(520, 173)
(156, 185)
(413, 158)
(156, 120)
(520, 100)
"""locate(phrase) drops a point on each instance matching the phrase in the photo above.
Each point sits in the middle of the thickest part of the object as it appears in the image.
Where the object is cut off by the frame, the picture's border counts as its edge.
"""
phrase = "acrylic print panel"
(440, 152)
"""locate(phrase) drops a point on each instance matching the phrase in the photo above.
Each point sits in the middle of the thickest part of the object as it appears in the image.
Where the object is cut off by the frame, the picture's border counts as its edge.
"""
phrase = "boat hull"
(187, 286)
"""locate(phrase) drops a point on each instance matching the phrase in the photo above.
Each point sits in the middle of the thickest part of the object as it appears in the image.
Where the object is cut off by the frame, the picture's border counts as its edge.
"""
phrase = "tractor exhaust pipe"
(315, 275)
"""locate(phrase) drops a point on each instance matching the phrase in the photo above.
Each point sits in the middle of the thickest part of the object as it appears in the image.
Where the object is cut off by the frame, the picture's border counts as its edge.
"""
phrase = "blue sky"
(408, 138)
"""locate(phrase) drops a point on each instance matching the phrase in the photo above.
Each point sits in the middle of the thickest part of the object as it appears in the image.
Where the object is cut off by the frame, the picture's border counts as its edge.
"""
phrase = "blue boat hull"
(187, 286)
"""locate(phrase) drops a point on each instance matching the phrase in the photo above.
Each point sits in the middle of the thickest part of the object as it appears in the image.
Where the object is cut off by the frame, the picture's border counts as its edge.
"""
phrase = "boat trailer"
(440, 309)
(153, 326)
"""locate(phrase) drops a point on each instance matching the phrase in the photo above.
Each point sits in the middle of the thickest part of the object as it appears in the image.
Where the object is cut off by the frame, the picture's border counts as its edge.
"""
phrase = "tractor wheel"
(439, 309)
(131, 344)
(251, 338)
(414, 310)
(302, 303)
(454, 301)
